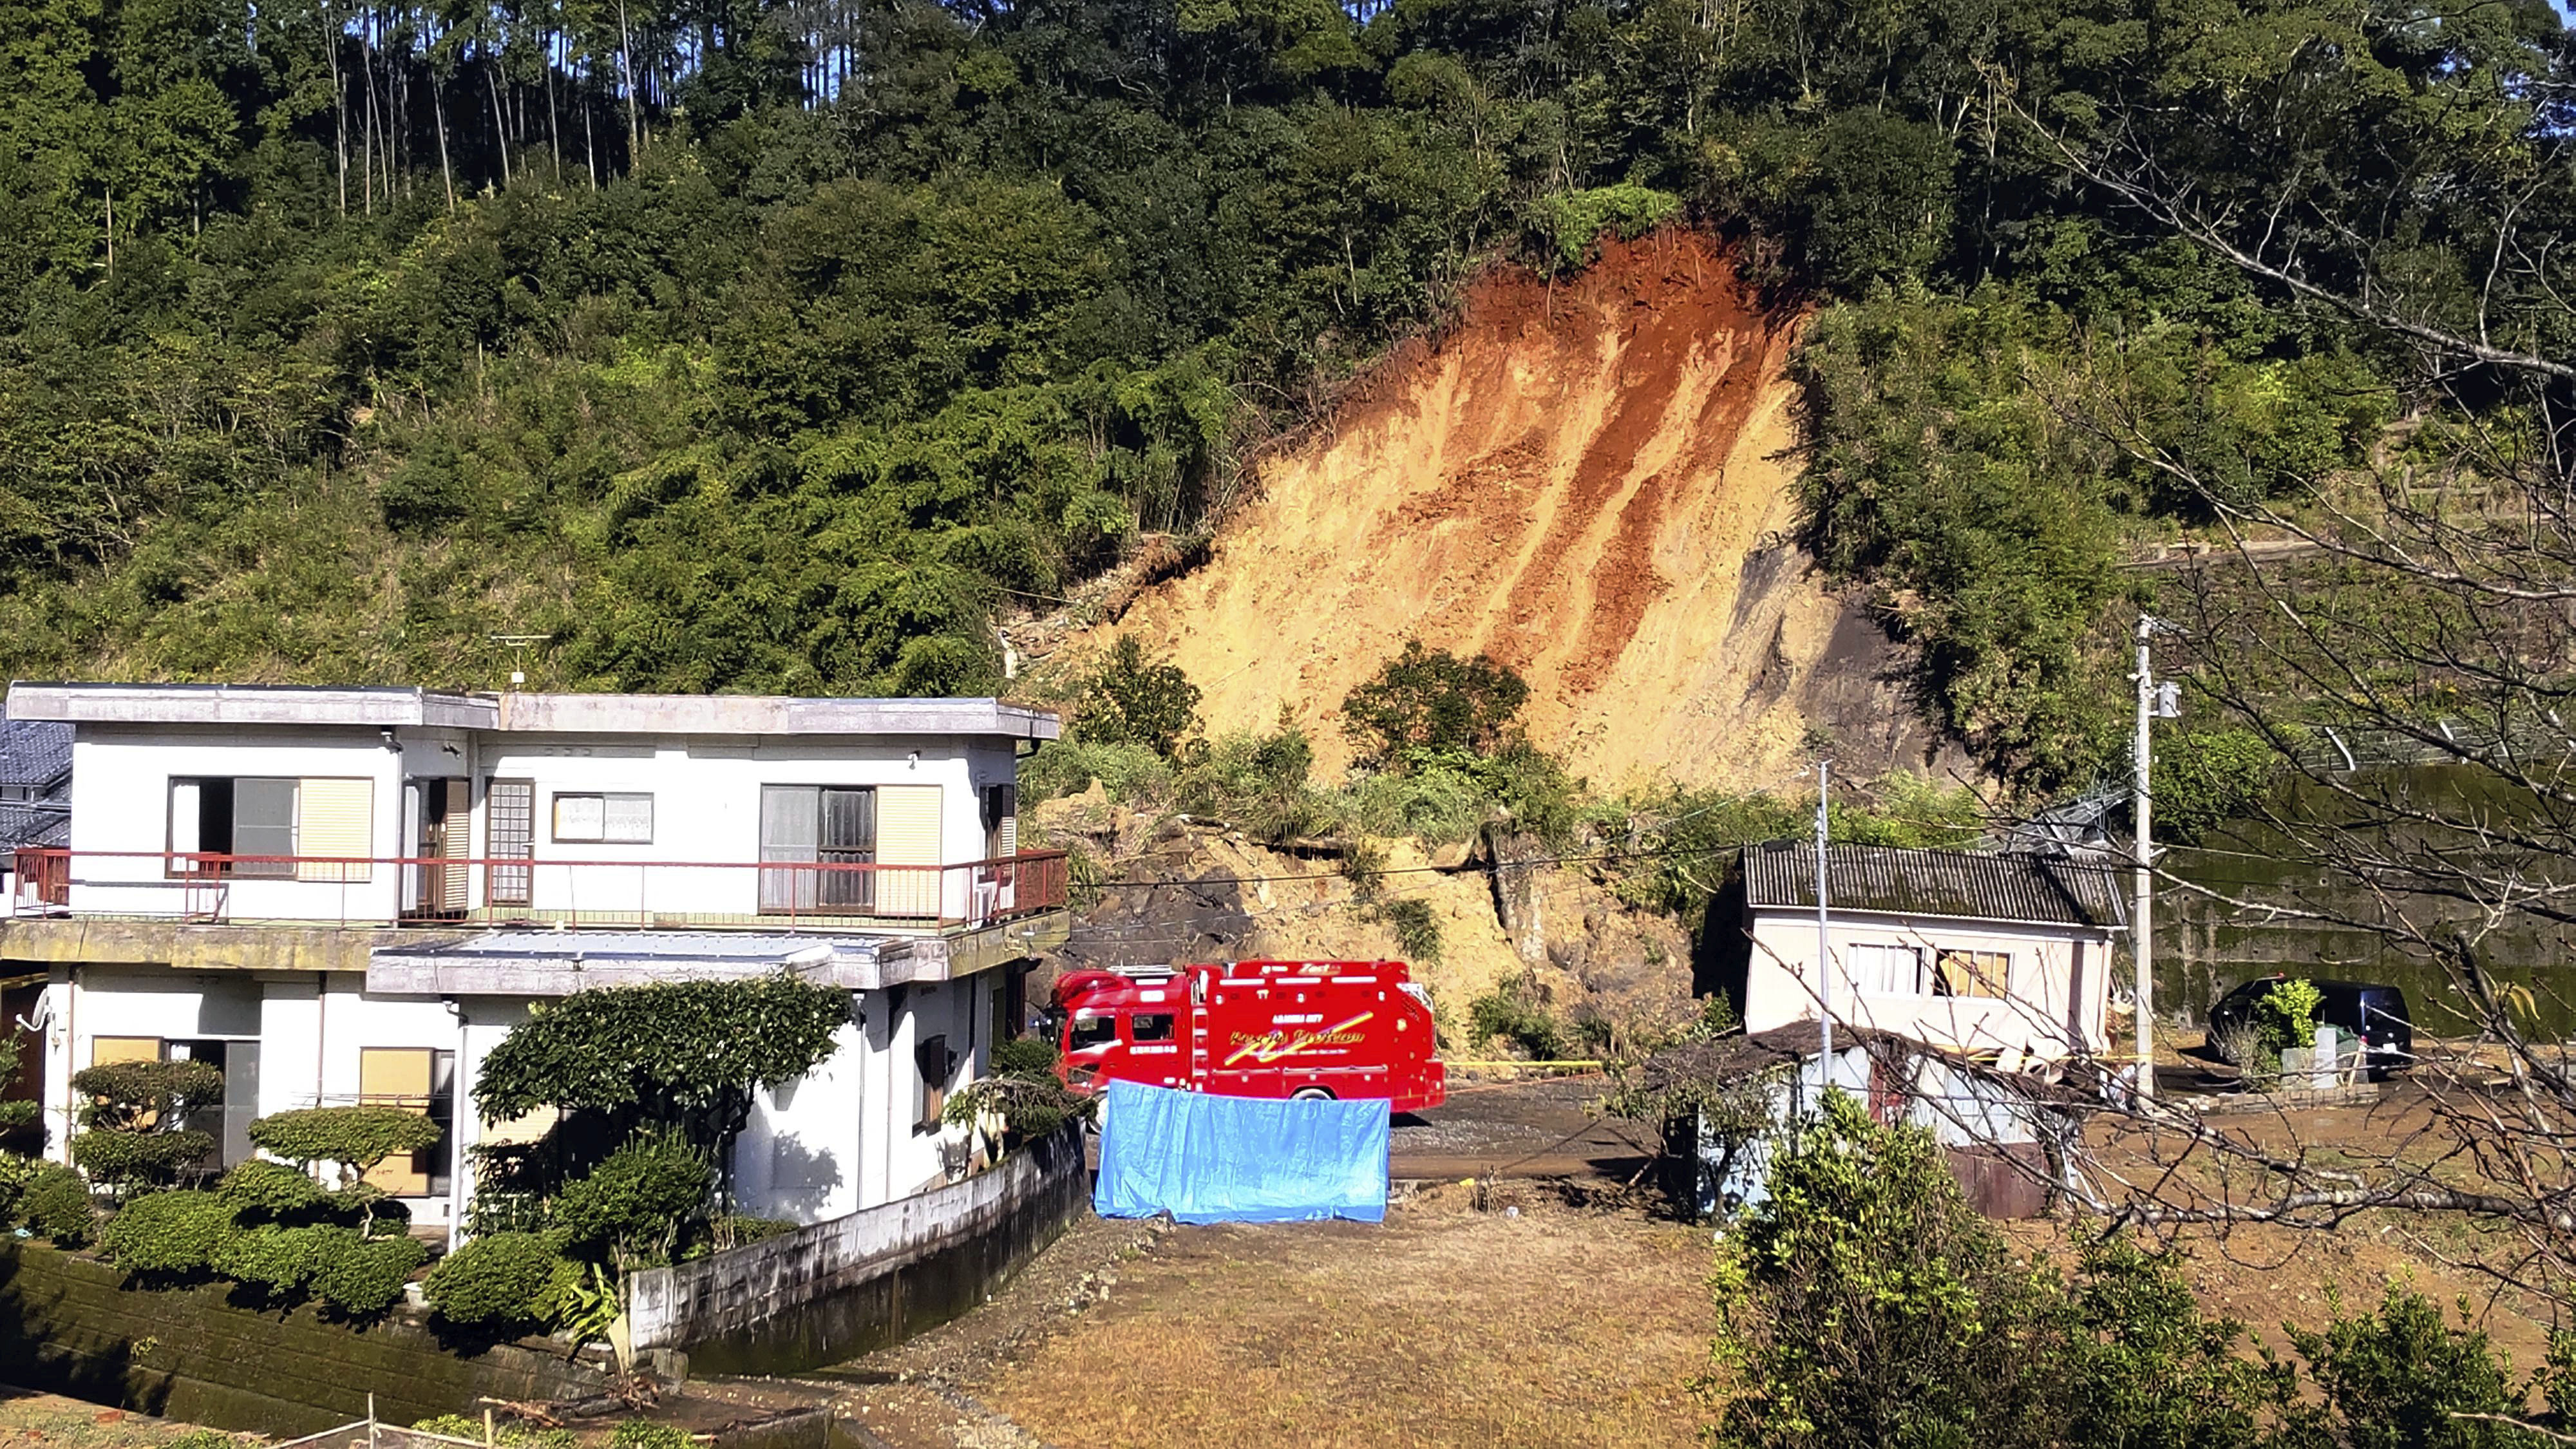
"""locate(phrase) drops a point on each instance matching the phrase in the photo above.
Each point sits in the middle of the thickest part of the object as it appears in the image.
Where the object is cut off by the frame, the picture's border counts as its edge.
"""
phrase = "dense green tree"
(741, 344)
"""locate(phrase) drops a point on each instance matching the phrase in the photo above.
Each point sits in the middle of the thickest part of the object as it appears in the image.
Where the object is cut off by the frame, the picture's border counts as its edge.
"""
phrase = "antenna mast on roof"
(516, 642)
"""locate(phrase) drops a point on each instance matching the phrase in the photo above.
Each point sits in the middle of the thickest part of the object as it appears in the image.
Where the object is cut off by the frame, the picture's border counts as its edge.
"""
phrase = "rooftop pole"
(2141, 816)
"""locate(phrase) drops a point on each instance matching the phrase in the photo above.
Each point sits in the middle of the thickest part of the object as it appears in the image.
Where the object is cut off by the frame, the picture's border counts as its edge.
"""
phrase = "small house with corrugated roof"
(1963, 951)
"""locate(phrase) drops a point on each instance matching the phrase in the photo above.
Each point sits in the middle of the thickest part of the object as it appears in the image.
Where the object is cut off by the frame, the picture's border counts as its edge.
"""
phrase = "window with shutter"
(264, 826)
(335, 818)
(908, 835)
(398, 1077)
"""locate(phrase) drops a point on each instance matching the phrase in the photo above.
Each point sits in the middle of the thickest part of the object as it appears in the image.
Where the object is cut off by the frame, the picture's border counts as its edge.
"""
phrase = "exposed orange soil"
(1590, 480)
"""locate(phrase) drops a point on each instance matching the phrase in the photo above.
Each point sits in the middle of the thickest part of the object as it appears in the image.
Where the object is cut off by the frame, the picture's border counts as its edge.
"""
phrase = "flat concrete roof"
(703, 714)
(557, 963)
(247, 704)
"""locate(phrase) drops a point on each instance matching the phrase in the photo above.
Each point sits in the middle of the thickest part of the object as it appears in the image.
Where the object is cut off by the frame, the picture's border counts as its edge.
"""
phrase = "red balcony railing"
(517, 890)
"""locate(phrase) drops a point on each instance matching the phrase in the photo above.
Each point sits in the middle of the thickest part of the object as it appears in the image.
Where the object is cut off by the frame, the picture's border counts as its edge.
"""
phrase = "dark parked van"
(2376, 1014)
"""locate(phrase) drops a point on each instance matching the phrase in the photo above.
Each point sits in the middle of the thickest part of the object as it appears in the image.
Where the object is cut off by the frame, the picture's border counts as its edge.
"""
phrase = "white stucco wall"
(2053, 1005)
(841, 1139)
(706, 807)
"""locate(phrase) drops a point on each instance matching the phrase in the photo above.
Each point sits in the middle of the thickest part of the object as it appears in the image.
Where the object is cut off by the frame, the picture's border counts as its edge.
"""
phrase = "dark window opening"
(936, 1065)
(1092, 1031)
(1150, 1026)
(222, 816)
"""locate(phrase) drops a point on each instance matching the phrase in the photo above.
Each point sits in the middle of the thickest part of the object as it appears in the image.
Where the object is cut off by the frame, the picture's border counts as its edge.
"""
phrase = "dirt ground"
(1512, 1315)
(1544, 1304)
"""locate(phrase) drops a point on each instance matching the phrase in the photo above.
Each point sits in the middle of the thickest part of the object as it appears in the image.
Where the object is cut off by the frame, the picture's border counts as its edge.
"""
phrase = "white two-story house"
(2001, 955)
(351, 895)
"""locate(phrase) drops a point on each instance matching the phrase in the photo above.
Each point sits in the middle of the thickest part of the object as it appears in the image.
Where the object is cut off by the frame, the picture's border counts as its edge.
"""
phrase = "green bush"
(741, 1230)
(2401, 1376)
(364, 1278)
(1256, 782)
(124, 1096)
(56, 1206)
(1427, 699)
(505, 1281)
(1865, 1302)
(131, 1114)
(1024, 1056)
(2285, 1017)
(1565, 227)
(15, 1173)
(1128, 774)
(208, 1439)
(132, 1159)
(357, 1138)
(285, 1263)
(1417, 931)
(639, 1205)
(505, 1435)
(1131, 700)
(1513, 1012)
(645, 1434)
(271, 1189)
(2206, 777)
(169, 1234)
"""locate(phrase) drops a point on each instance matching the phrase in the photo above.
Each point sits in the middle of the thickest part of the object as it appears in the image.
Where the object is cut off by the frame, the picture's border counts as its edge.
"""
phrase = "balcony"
(451, 892)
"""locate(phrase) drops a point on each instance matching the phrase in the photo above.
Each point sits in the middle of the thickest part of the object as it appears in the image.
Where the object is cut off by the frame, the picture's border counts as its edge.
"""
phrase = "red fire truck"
(1252, 1029)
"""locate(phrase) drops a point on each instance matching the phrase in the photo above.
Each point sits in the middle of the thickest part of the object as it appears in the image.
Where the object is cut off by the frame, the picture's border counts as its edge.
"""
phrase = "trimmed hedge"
(363, 1279)
(271, 1189)
(56, 1205)
(502, 1281)
(169, 1234)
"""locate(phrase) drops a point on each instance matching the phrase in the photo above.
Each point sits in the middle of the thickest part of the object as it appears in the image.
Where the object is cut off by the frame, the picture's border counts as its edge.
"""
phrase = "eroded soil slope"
(1589, 480)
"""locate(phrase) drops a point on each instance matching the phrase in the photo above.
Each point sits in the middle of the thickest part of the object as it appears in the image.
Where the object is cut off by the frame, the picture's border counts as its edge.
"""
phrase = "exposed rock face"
(1590, 480)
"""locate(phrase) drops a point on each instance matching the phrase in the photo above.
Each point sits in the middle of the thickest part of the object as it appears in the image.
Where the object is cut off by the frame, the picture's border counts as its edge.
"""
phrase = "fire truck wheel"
(1310, 1094)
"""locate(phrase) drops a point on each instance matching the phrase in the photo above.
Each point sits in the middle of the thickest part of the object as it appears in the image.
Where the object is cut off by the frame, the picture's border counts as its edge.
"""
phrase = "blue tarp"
(1207, 1159)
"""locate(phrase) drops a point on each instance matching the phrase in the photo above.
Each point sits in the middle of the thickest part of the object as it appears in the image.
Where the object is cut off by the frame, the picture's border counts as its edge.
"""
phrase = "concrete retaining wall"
(70, 1325)
(840, 1288)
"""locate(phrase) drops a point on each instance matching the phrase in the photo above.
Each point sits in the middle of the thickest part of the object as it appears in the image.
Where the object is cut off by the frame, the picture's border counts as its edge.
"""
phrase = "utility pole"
(1824, 947)
(2154, 702)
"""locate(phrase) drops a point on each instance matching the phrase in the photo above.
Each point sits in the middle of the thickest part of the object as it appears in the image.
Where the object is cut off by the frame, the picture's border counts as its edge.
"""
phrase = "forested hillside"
(727, 344)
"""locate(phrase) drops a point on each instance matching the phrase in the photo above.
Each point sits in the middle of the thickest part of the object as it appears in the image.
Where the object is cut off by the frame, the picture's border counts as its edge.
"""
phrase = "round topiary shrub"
(283, 1263)
(271, 1190)
(504, 1281)
(362, 1278)
(169, 1234)
(640, 1203)
(56, 1205)
(357, 1138)
(138, 1158)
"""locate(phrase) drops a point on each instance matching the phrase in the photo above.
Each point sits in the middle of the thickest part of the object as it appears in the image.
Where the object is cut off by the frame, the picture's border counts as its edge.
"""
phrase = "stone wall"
(71, 1325)
(828, 1292)
(2204, 946)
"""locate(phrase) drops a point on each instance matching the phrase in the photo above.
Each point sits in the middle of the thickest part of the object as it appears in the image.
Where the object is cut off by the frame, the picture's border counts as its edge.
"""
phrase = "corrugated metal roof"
(1964, 885)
